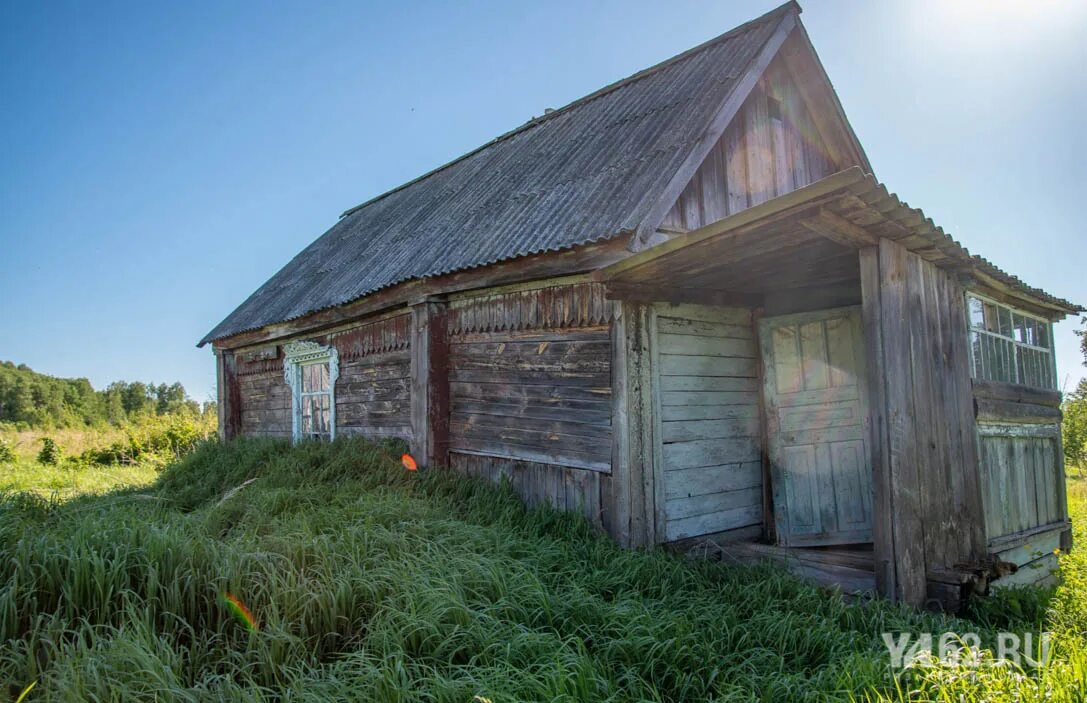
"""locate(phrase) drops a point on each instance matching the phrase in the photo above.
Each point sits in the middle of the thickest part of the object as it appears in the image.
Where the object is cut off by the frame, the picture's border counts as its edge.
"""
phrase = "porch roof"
(809, 237)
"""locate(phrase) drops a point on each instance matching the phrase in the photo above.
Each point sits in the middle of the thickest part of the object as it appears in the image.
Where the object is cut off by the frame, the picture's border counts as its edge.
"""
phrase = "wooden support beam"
(430, 383)
(649, 293)
(840, 230)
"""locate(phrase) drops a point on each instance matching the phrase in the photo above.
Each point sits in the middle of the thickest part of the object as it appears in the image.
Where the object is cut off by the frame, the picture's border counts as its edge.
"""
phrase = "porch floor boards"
(850, 568)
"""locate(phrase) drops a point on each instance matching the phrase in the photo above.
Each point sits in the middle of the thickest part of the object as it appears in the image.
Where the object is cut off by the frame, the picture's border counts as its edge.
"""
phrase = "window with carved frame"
(311, 369)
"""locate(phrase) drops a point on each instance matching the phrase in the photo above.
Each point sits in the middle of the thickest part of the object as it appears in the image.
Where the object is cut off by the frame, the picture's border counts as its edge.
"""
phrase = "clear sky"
(159, 161)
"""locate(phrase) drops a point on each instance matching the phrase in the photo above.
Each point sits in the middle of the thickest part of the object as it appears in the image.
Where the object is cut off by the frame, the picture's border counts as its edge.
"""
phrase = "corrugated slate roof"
(586, 172)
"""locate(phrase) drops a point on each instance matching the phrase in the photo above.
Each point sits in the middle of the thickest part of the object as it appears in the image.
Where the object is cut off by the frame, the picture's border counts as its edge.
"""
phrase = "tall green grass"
(372, 583)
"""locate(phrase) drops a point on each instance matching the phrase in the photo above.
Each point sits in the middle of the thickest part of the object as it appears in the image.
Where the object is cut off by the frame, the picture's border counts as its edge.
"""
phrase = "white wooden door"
(817, 422)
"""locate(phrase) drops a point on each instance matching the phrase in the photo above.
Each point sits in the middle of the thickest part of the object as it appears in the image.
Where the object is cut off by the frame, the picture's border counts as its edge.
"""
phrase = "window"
(1010, 345)
(310, 369)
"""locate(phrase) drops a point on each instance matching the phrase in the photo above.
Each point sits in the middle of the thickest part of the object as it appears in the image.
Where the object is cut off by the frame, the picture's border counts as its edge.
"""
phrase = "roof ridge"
(781, 10)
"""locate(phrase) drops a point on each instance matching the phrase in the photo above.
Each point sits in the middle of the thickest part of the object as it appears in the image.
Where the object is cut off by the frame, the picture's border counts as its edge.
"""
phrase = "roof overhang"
(808, 238)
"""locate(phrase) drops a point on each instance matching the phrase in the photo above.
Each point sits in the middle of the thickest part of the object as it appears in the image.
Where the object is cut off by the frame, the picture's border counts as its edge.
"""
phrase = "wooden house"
(683, 307)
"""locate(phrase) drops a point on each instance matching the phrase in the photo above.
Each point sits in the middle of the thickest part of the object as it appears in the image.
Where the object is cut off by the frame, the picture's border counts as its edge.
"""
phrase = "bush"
(1074, 427)
(50, 452)
(7, 452)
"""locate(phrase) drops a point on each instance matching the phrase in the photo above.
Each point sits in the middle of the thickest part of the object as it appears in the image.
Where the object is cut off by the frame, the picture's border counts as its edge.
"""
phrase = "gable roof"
(586, 172)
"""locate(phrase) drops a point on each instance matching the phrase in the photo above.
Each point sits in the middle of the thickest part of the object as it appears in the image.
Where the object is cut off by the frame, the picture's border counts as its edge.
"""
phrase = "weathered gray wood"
(1040, 572)
(1016, 393)
(760, 169)
(710, 452)
(615, 492)
(681, 528)
(429, 383)
(723, 117)
(673, 325)
(838, 229)
(707, 424)
(901, 447)
(705, 504)
(677, 365)
(693, 345)
(708, 480)
(990, 410)
(820, 464)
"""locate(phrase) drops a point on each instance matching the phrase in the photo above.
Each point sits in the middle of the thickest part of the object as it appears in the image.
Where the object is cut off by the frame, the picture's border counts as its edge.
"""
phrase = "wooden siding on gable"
(707, 408)
(771, 148)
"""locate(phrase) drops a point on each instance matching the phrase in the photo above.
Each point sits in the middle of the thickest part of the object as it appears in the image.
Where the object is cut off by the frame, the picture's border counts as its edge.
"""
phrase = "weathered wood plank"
(990, 410)
(692, 345)
(710, 452)
(673, 413)
(1015, 393)
(702, 328)
(675, 365)
(901, 449)
(710, 429)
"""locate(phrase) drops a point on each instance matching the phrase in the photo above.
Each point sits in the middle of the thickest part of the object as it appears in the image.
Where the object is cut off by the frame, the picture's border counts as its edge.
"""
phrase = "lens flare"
(26, 690)
(240, 611)
(409, 462)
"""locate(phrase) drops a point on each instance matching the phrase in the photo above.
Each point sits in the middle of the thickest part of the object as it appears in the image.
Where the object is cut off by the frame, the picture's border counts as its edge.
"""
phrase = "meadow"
(368, 582)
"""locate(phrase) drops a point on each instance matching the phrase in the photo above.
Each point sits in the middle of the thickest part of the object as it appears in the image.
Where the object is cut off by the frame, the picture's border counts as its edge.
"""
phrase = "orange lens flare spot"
(409, 462)
(240, 611)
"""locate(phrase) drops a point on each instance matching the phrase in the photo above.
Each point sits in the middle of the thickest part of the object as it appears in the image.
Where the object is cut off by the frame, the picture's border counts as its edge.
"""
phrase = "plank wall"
(1022, 478)
(530, 391)
(706, 390)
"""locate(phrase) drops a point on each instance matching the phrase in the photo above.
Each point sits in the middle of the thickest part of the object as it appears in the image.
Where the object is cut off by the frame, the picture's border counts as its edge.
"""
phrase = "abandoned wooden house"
(683, 307)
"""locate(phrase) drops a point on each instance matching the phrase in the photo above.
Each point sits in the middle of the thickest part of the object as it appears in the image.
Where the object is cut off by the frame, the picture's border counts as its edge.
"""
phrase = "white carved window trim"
(297, 356)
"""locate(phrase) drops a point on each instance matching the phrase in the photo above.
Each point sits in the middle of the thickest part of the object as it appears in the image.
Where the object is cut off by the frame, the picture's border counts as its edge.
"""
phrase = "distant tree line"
(41, 401)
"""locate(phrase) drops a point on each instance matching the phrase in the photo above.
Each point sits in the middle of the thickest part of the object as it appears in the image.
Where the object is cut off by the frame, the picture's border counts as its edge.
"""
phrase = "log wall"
(264, 398)
(530, 391)
(372, 392)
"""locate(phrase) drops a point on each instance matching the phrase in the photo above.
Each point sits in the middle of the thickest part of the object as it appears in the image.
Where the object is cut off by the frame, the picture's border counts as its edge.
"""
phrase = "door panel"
(817, 427)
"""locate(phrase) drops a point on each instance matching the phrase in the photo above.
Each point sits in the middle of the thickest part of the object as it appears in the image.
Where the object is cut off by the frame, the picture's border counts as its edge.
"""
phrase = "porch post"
(633, 513)
(882, 536)
(429, 382)
(898, 540)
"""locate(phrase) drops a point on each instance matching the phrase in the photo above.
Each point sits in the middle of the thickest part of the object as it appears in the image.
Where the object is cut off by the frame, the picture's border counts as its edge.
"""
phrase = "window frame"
(298, 356)
(1010, 338)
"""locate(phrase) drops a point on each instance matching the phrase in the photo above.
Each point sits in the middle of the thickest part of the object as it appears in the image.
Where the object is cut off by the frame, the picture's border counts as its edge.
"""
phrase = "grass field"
(370, 583)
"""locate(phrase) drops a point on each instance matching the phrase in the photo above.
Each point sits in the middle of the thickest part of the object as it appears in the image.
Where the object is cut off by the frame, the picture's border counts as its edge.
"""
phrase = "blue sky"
(159, 161)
